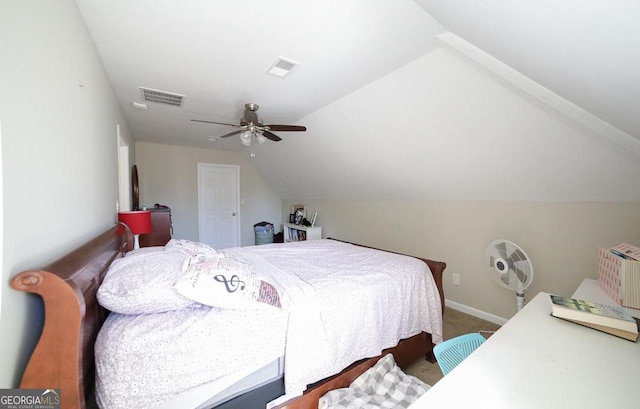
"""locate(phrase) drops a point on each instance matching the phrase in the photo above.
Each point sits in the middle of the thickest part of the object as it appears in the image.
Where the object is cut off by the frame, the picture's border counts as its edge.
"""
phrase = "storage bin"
(619, 277)
(264, 232)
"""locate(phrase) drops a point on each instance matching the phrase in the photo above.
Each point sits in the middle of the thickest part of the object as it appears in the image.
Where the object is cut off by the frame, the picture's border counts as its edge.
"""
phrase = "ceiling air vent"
(162, 97)
(282, 67)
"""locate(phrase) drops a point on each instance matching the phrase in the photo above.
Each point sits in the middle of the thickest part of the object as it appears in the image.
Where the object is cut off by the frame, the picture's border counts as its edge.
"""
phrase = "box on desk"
(619, 274)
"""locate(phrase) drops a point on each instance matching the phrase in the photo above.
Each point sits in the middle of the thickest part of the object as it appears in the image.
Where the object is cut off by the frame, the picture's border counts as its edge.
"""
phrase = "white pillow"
(141, 250)
(226, 283)
(190, 247)
(142, 283)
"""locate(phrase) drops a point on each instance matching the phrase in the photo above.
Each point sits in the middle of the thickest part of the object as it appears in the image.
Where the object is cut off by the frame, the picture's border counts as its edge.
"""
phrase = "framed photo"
(292, 218)
(299, 212)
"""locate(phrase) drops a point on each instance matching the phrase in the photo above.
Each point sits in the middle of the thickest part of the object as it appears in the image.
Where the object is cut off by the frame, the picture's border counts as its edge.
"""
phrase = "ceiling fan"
(251, 127)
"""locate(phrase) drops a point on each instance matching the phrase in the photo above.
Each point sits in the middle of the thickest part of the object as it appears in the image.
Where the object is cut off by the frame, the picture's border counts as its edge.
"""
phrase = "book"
(612, 319)
(621, 254)
(627, 251)
(631, 336)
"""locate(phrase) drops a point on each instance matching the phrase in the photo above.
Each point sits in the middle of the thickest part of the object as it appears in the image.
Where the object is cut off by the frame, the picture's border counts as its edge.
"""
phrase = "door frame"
(124, 175)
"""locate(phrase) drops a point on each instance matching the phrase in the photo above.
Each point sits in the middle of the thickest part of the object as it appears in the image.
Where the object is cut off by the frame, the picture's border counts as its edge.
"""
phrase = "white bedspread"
(341, 303)
(144, 360)
(353, 303)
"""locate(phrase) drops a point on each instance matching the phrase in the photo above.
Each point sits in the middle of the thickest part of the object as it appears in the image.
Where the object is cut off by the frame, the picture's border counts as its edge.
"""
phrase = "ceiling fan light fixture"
(250, 127)
(245, 137)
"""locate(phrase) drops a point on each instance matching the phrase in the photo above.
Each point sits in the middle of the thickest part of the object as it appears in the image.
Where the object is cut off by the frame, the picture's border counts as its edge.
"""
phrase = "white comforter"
(341, 303)
(353, 303)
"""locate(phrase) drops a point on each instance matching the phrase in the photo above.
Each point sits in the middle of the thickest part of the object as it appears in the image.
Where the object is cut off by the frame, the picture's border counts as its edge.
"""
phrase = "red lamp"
(138, 221)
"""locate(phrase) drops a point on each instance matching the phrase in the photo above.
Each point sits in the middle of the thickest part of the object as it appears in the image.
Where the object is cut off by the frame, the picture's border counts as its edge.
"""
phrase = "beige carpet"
(455, 323)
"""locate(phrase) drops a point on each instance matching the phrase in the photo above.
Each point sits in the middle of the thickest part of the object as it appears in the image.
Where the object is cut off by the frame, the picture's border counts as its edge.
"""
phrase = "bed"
(64, 356)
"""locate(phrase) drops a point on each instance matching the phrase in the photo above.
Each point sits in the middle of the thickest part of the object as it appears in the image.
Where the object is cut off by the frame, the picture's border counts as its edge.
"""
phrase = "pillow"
(142, 283)
(226, 283)
(190, 247)
(152, 249)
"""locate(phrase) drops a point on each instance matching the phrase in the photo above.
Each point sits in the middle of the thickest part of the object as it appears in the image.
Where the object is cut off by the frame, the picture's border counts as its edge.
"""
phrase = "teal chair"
(453, 351)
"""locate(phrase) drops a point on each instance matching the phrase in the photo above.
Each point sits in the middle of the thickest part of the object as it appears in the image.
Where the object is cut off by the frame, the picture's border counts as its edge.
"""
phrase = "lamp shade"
(245, 137)
(138, 221)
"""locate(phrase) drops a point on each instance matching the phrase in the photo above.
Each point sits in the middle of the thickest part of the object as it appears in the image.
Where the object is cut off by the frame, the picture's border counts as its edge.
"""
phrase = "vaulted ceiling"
(402, 99)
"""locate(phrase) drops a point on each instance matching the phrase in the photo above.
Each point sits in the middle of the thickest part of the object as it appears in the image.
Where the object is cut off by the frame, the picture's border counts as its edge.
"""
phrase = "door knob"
(233, 214)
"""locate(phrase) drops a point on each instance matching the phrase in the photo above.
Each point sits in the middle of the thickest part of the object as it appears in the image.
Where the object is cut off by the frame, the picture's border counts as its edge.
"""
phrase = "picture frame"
(292, 217)
(300, 213)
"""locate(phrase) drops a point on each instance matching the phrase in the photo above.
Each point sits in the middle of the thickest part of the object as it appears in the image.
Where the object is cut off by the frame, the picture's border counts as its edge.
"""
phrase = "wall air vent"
(282, 66)
(161, 97)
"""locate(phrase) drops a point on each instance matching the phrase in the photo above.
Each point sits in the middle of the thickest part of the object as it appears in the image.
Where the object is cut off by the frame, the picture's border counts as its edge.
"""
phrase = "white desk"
(537, 361)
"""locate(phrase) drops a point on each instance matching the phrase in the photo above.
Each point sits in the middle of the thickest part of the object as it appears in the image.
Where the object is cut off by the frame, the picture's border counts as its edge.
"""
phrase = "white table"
(538, 361)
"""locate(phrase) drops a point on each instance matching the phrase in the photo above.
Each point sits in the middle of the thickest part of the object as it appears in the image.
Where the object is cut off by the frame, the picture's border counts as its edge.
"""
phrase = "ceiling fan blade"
(231, 134)
(295, 128)
(271, 136)
(213, 122)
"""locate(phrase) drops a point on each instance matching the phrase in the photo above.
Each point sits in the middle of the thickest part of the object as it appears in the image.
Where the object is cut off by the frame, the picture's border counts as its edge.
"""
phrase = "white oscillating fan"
(510, 267)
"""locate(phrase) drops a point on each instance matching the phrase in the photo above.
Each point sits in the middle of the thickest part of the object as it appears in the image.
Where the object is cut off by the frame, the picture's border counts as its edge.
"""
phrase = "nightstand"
(161, 228)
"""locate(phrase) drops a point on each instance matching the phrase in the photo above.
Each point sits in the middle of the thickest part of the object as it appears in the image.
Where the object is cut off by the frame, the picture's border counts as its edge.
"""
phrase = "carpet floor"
(454, 323)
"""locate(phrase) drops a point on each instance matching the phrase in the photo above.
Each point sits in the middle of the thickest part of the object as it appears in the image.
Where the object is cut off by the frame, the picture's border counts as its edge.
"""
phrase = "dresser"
(162, 229)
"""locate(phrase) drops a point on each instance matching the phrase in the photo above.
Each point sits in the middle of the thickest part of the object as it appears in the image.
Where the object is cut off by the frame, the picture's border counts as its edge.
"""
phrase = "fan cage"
(512, 255)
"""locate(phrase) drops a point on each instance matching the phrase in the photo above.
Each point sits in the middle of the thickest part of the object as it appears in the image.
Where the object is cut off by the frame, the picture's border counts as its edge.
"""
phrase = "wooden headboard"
(63, 357)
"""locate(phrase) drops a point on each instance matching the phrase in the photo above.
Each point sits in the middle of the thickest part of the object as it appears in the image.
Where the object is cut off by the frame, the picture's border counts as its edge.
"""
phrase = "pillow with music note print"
(226, 283)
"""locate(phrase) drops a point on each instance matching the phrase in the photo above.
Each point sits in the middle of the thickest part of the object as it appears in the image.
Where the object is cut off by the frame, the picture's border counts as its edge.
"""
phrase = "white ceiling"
(587, 51)
(388, 107)
(217, 54)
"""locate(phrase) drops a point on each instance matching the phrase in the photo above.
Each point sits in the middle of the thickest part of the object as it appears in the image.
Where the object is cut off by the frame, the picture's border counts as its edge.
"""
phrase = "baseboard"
(475, 312)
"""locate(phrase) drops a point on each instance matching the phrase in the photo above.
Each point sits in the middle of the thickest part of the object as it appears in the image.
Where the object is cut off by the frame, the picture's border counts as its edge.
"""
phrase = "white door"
(218, 211)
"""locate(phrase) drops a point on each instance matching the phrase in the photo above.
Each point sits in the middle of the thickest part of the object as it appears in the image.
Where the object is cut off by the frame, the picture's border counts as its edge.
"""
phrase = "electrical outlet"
(455, 278)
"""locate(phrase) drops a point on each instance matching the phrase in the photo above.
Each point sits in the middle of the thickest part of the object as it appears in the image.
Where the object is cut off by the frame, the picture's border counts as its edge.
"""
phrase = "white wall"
(59, 158)
(491, 162)
(562, 239)
(168, 175)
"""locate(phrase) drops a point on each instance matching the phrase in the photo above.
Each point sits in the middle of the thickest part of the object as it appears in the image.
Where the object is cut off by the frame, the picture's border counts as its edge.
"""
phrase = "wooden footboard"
(63, 357)
(406, 352)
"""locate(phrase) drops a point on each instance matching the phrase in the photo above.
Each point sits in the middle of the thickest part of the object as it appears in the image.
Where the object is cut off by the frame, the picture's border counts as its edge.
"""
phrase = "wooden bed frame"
(63, 357)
